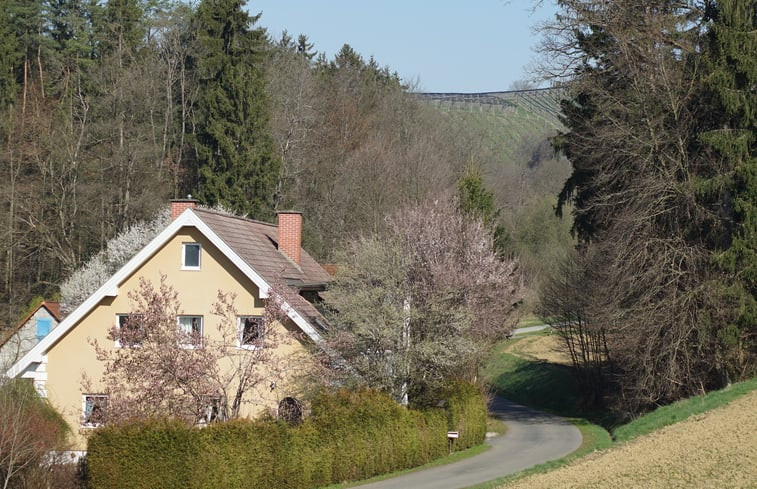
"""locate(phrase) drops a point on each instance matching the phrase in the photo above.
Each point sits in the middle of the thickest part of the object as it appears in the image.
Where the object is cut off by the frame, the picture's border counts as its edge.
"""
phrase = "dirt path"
(532, 438)
(717, 449)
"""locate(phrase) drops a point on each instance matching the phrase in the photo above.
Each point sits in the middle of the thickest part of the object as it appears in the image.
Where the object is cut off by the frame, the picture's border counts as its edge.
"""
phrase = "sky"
(436, 45)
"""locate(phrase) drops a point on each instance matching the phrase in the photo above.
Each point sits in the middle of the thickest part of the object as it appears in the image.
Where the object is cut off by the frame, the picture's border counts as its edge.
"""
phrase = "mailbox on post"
(452, 436)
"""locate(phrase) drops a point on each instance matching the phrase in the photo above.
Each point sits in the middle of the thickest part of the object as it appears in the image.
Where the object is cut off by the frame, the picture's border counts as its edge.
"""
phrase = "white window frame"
(85, 422)
(240, 332)
(179, 324)
(184, 265)
(118, 329)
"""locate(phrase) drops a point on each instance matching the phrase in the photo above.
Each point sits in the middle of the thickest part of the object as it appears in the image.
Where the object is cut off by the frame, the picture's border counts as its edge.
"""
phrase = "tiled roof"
(256, 243)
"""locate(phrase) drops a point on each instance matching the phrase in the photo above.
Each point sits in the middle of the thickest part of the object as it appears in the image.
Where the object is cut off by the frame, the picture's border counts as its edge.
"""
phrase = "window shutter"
(43, 327)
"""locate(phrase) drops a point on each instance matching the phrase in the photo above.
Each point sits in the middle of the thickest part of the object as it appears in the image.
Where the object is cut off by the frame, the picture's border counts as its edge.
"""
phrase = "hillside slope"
(714, 449)
(505, 119)
(508, 137)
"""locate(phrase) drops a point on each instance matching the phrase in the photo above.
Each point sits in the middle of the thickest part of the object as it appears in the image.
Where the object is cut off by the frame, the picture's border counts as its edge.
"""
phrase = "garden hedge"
(350, 435)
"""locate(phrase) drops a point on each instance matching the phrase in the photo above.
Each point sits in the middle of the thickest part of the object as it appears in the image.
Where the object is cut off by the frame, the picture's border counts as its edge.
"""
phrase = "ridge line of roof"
(233, 216)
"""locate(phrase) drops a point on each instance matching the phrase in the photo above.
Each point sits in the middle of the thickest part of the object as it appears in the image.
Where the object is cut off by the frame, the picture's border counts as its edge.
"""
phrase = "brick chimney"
(180, 205)
(290, 234)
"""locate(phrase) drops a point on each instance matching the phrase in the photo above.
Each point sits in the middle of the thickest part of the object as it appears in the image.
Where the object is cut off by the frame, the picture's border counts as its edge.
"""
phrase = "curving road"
(532, 438)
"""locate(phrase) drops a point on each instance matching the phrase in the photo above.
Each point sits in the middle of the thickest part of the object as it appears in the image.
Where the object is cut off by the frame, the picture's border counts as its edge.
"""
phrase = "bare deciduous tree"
(29, 430)
(646, 283)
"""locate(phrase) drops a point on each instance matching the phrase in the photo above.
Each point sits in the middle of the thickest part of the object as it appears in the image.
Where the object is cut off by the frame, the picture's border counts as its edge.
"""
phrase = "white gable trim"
(38, 354)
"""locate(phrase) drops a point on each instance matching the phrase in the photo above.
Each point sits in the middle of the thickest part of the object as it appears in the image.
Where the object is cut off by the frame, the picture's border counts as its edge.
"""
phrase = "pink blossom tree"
(249, 358)
(162, 370)
(419, 304)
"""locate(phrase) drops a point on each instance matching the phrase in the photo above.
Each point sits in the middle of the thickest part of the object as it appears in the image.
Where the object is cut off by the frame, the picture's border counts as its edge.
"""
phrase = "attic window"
(43, 327)
(190, 256)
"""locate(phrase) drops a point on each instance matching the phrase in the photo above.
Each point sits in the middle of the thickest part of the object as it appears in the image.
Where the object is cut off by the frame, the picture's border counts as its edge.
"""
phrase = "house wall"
(24, 339)
(73, 356)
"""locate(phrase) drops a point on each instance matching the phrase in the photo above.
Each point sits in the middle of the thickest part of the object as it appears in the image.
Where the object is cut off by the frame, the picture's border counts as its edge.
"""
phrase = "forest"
(108, 109)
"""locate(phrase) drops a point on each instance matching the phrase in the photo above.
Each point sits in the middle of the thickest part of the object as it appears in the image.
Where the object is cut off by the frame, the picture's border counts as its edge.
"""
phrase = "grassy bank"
(716, 448)
(681, 410)
(532, 371)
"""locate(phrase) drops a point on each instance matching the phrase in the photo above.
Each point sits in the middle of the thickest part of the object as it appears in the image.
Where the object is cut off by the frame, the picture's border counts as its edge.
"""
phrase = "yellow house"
(200, 253)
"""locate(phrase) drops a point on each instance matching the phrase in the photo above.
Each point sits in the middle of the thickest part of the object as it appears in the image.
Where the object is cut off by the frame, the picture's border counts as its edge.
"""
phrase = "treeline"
(658, 302)
(110, 108)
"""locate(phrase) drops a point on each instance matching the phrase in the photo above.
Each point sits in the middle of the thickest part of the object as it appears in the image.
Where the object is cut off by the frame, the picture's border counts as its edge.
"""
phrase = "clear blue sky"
(444, 45)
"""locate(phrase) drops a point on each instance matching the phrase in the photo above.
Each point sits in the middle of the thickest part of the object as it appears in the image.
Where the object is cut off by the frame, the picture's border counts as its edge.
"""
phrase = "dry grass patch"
(716, 449)
(547, 348)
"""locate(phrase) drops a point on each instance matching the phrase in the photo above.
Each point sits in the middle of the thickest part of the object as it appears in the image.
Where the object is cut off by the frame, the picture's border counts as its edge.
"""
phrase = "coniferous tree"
(730, 64)
(8, 55)
(123, 27)
(237, 166)
(477, 202)
(647, 238)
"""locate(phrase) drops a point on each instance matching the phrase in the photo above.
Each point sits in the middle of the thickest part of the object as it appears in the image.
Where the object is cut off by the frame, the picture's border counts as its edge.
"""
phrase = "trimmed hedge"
(466, 413)
(351, 435)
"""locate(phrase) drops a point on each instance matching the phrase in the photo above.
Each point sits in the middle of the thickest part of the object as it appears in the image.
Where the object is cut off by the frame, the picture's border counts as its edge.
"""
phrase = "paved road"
(530, 329)
(532, 438)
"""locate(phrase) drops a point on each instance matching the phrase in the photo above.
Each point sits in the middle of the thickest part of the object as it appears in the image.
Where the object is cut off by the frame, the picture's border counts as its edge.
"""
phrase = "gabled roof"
(53, 308)
(250, 245)
(256, 243)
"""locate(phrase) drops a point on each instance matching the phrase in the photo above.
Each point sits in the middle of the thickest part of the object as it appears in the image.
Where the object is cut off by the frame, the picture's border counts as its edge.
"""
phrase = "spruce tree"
(8, 55)
(123, 25)
(237, 166)
(730, 64)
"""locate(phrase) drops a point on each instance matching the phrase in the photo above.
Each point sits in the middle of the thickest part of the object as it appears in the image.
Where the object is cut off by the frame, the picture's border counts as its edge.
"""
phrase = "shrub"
(149, 454)
(29, 429)
(351, 435)
(466, 414)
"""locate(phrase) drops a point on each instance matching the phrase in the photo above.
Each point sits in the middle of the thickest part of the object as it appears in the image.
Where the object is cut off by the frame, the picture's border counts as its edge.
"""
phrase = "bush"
(29, 430)
(466, 414)
(150, 454)
(351, 435)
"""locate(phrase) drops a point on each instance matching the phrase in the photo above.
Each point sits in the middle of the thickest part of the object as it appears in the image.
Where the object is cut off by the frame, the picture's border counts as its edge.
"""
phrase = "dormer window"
(190, 256)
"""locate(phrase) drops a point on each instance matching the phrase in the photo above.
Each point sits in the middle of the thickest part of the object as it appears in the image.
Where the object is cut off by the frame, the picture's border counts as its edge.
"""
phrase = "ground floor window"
(190, 328)
(290, 410)
(211, 409)
(94, 409)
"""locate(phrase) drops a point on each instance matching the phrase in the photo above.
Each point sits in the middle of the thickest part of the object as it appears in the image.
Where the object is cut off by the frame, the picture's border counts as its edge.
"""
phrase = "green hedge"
(350, 435)
(466, 413)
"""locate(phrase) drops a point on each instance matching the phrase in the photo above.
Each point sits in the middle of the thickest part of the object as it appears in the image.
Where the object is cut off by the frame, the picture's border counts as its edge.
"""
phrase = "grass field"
(673, 413)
